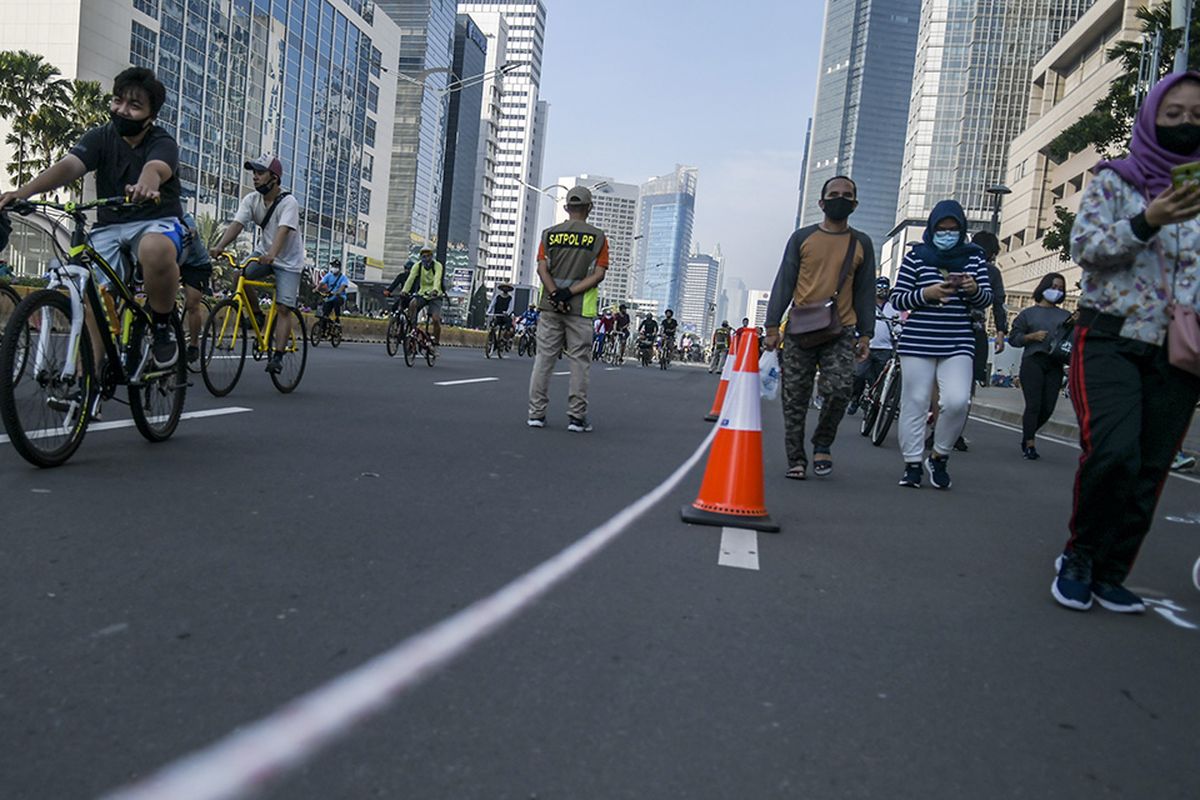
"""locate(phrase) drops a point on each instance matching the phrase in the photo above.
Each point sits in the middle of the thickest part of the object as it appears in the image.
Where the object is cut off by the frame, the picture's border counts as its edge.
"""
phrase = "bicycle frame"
(245, 310)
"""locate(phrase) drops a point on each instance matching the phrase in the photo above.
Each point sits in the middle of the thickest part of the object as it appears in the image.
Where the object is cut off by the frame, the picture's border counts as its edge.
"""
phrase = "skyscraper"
(699, 298)
(666, 211)
(614, 211)
(861, 107)
(522, 130)
(419, 136)
(300, 80)
(970, 94)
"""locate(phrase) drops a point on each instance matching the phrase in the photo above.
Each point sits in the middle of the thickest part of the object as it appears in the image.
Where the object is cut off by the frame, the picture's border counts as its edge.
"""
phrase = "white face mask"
(1053, 296)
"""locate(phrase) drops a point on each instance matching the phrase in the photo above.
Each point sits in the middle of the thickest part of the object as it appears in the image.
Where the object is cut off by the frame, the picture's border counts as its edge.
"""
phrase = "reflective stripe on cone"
(731, 493)
(726, 373)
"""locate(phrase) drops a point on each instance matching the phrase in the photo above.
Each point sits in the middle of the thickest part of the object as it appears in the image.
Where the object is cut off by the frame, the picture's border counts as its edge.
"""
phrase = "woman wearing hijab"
(1041, 375)
(939, 282)
(1137, 239)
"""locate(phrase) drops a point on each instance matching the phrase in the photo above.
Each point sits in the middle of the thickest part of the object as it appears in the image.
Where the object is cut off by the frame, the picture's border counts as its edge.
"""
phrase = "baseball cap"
(266, 162)
(425, 250)
(579, 196)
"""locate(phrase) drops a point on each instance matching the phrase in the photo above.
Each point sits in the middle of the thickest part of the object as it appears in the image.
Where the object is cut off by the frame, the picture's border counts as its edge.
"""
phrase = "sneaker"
(536, 422)
(961, 445)
(577, 425)
(938, 475)
(1031, 453)
(852, 409)
(275, 363)
(912, 475)
(1116, 597)
(164, 348)
(1183, 461)
(193, 354)
(1072, 588)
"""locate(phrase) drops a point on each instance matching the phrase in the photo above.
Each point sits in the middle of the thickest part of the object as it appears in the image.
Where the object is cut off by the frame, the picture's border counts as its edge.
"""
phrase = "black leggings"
(1041, 381)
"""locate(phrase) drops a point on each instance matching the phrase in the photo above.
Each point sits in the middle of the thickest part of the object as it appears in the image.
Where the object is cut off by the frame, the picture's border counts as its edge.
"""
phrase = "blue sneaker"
(1073, 586)
(938, 475)
(912, 476)
(1116, 597)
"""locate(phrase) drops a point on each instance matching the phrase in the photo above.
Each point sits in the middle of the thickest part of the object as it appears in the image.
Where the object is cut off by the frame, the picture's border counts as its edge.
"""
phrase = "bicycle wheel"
(396, 329)
(157, 401)
(490, 345)
(521, 346)
(295, 354)
(9, 300)
(431, 352)
(45, 413)
(23, 331)
(410, 347)
(223, 348)
(889, 406)
(316, 331)
(335, 335)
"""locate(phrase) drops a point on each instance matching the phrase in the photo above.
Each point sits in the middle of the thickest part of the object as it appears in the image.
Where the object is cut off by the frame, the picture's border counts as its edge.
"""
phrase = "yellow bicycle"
(231, 324)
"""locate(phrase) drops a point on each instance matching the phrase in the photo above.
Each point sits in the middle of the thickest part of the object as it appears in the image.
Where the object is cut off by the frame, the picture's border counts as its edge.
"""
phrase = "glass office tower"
(666, 211)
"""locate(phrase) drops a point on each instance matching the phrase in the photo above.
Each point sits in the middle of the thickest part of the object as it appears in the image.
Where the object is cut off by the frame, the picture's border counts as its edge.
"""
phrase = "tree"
(1107, 127)
(28, 84)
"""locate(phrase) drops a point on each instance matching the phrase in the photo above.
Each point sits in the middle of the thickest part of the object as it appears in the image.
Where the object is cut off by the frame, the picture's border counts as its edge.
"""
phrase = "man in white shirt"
(277, 214)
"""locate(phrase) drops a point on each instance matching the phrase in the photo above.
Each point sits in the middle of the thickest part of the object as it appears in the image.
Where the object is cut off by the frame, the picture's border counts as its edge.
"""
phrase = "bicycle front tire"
(410, 348)
(396, 332)
(157, 403)
(315, 332)
(223, 348)
(30, 429)
(889, 406)
(335, 336)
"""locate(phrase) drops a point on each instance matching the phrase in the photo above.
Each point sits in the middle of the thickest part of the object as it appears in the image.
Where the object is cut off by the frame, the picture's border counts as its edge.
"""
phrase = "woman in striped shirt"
(939, 282)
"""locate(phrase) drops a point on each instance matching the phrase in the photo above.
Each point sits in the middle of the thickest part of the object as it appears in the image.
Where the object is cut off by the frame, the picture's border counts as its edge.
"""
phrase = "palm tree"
(28, 84)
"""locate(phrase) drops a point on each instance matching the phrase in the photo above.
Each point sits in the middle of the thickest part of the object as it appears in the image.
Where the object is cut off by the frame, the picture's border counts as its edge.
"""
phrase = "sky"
(637, 86)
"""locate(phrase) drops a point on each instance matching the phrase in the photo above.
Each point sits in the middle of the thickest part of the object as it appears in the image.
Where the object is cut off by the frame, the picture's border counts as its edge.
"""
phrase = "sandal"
(823, 467)
(796, 473)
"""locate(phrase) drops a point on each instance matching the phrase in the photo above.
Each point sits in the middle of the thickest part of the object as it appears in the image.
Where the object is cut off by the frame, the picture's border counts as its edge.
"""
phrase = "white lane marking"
(608, 369)
(247, 759)
(1167, 609)
(463, 382)
(568, 372)
(1065, 442)
(128, 423)
(739, 548)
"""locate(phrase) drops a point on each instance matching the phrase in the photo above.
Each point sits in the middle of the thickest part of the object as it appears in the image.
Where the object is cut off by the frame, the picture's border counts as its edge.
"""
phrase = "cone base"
(712, 417)
(694, 516)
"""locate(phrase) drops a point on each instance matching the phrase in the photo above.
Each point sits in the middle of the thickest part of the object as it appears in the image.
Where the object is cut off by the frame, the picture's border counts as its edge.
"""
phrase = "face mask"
(839, 208)
(126, 126)
(336, 270)
(266, 187)
(1179, 139)
(1053, 295)
(945, 240)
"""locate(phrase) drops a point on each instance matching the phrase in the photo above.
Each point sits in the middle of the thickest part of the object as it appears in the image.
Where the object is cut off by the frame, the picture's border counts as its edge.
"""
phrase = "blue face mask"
(945, 240)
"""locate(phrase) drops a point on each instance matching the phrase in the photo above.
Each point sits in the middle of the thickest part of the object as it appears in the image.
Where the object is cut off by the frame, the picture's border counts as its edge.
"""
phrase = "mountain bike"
(397, 328)
(614, 348)
(326, 327)
(50, 383)
(645, 347)
(418, 341)
(881, 402)
(231, 324)
(527, 342)
(498, 341)
(666, 347)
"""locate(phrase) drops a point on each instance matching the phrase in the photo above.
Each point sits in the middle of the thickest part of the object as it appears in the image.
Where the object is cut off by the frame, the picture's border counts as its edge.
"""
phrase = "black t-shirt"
(649, 327)
(117, 165)
(622, 321)
(669, 325)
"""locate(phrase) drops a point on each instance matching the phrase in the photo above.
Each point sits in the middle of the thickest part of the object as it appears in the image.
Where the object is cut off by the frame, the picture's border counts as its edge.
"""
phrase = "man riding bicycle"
(604, 327)
(529, 320)
(401, 278)
(499, 312)
(720, 346)
(426, 278)
(669, 326)
(334, 286)
(622, 318)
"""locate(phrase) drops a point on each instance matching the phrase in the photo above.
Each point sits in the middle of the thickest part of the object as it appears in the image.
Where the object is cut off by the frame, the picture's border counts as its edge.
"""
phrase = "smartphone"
(1186, 173)
(956, 278)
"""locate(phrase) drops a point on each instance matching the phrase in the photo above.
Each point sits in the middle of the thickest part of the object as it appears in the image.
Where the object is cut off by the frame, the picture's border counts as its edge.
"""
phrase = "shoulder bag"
(1183, 331)
(1060, 339)
(814, 324)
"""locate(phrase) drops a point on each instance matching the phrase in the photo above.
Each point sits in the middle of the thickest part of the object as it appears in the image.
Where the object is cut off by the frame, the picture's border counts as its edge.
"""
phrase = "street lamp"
(997, 192)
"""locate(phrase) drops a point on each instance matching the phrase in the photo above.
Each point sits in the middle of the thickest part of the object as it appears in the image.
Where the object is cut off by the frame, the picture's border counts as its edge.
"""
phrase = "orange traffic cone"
(732, 491)
(723, 386)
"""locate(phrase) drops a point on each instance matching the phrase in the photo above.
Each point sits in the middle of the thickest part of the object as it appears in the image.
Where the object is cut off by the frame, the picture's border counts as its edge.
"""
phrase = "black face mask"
(265, 188)
(839, 208)
(126, 126)
(1181, 140)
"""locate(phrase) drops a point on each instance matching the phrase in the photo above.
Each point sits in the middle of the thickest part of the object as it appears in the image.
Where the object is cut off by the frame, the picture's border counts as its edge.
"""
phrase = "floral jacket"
(1124, 275)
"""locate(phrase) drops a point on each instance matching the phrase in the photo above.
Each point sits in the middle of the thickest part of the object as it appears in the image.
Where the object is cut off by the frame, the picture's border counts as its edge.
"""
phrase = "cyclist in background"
(195, 272)
(398, 282)
(622, 318)
(604, 325)
(529, 319)
(879, 351)
(669, 326)
(426, 279)
(334, 285)
(720, 346)
(499, 312)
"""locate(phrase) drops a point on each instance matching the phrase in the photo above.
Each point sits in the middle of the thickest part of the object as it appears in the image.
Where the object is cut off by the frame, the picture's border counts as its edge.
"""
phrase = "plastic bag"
(768, 375)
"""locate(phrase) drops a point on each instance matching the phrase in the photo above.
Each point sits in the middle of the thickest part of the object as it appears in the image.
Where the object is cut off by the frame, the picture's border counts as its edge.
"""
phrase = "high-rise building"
(757, 301)
(522, 131)
(422, 111)
(863, 83)
(614, 211)
(738, 296)
(970, 94)
(458, 217)
(803, 172)
(666, 211)
(307, 81)
(698, 303)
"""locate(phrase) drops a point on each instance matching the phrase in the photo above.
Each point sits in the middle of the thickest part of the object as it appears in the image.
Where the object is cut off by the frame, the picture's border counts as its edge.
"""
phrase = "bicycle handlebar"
(24, 207)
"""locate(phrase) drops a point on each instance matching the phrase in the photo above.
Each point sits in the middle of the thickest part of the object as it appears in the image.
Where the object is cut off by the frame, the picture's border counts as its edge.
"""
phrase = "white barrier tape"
(247, 760)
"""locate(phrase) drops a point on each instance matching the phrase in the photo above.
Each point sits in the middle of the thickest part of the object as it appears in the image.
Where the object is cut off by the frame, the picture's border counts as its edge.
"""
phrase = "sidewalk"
(1007, 405)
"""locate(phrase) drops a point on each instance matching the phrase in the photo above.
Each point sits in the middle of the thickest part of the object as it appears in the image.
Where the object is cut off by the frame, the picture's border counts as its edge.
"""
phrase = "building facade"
(300, 79)
(698, 303)
(1066, 84)
(666, 213)
(756, 307)
(860, 111)
(970, 92)
(521, 133)
(614, 211)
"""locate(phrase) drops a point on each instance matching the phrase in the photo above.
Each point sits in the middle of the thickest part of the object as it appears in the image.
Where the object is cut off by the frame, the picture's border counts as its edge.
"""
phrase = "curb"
(1063, 430)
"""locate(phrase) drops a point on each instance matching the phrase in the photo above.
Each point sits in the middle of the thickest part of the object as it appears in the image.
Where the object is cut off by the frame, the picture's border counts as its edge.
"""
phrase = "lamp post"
(997, 192)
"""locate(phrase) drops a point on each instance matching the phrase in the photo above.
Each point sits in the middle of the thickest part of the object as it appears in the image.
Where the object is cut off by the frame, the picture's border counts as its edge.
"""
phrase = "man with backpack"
(426, 278)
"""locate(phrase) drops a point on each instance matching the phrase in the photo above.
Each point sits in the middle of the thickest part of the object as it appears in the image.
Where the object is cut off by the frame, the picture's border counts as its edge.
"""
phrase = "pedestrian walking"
(1137, 239)
(940, 281)
(828, 279)
(1041, 373)
(572, 260)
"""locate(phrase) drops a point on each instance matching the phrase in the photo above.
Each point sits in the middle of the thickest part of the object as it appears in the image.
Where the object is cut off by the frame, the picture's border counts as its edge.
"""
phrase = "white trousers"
(953, 377)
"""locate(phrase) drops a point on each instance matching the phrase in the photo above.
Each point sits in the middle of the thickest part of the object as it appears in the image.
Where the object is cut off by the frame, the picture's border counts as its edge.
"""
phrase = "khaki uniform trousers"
(559, 333)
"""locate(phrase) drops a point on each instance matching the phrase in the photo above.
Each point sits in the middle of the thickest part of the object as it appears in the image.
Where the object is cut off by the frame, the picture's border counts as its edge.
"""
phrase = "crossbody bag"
(814, 324)
(1183, 331)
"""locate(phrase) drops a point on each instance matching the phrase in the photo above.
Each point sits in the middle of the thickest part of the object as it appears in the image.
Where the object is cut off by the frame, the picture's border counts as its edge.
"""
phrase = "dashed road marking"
(739, 548)
(466, 381)
(128, 423)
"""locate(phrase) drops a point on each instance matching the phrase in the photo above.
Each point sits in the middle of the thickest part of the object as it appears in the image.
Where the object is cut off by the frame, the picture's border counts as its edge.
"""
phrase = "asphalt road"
(891, 644)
